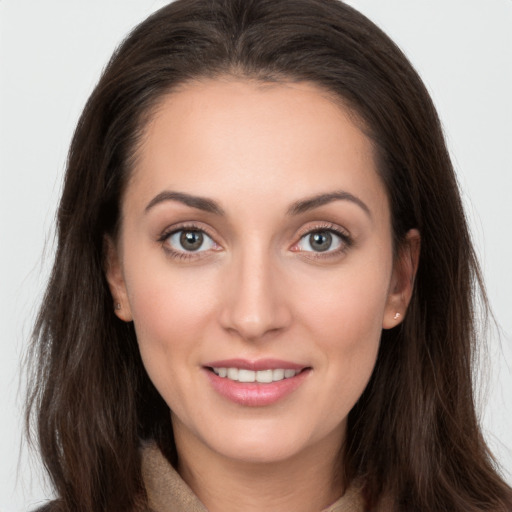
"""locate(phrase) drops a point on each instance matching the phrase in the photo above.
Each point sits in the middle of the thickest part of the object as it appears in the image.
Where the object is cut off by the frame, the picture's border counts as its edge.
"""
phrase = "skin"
(257, 288)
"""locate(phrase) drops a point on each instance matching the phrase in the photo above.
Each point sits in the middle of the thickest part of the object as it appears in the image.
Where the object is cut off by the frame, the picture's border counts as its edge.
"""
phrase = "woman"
(262, 293)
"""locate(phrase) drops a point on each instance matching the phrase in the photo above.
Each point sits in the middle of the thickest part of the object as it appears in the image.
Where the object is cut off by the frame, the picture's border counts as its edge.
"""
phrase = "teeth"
(264, 376)
(232, 373)
(246, 376)
(261, 376)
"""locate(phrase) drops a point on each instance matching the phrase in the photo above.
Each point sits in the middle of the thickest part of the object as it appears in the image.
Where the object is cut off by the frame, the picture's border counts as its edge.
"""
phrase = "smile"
(257, 383)
(262, 376)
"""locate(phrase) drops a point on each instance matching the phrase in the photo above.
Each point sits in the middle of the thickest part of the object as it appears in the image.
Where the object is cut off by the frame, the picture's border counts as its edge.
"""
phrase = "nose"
(255, 304)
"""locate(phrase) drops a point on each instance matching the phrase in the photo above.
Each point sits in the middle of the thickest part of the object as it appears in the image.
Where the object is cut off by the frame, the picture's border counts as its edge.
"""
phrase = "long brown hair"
(413, 436)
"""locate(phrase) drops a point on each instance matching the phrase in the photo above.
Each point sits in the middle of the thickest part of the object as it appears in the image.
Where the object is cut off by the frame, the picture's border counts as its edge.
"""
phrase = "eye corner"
(295, 247)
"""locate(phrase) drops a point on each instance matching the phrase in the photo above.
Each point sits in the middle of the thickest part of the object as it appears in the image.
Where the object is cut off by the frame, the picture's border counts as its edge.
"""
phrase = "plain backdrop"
(51, 55)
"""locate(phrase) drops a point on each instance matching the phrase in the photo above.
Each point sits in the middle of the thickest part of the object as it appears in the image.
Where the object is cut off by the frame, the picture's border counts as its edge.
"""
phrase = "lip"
(255, 394)
(259, 364)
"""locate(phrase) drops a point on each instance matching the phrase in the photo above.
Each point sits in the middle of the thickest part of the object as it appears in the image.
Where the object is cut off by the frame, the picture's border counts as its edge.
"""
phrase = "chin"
(267, 442)
(260, 451)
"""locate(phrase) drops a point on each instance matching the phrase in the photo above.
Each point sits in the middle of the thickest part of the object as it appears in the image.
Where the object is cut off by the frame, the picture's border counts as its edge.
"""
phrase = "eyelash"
(346, 241)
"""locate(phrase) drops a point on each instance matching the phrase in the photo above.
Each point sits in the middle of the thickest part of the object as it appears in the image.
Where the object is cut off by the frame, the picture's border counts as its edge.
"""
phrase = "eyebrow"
(201, 203)
(302, 206)
(316, 201)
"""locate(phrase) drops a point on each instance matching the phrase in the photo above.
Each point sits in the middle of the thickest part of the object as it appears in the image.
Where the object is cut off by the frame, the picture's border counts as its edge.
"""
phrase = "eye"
(322, 240)
(189, 240)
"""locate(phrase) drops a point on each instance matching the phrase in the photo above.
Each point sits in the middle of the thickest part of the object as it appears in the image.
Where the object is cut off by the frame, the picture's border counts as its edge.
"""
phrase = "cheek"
(349, 349)
(344, 315)
(165, 299)
(170, 311)
(348, 305)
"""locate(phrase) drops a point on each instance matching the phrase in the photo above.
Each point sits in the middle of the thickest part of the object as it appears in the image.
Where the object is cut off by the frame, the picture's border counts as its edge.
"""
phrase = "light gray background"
(51, 54)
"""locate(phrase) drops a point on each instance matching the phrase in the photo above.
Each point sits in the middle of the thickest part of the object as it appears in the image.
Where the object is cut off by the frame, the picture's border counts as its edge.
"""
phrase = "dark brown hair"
(413, 436)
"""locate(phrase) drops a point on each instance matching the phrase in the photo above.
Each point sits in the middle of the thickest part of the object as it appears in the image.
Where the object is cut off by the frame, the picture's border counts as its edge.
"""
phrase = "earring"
(397, 316)
(118, 306)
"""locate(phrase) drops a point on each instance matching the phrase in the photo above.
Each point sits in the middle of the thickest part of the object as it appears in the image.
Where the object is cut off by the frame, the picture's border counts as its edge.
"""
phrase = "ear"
(115, 278)
(402, 280)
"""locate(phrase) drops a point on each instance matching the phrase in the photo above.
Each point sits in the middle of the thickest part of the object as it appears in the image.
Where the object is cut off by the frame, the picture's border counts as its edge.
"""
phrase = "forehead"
(235, 137)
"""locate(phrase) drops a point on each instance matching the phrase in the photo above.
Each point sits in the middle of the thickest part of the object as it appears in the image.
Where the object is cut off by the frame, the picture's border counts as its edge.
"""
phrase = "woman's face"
(255, 260)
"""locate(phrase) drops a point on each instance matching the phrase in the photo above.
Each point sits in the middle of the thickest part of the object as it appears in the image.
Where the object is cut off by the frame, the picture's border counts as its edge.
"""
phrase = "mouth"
(265, 376)
(256, 383)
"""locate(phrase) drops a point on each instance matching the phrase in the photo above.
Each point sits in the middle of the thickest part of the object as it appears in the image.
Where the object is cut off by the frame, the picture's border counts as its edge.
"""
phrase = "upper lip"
(259, 364)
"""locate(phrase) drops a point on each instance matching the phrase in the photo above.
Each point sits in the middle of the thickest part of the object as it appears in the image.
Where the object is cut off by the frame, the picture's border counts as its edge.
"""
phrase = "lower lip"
(255, 394)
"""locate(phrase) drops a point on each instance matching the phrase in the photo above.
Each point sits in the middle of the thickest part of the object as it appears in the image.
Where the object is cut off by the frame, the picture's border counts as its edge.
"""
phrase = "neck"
(303, 483)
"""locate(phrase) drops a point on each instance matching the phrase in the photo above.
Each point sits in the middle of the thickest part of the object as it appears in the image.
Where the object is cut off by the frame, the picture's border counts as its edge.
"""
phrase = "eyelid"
(183, 226)
(323, 226)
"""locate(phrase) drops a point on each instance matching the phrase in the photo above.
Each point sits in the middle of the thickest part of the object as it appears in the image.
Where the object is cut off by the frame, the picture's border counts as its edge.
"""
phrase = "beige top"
(167, 492)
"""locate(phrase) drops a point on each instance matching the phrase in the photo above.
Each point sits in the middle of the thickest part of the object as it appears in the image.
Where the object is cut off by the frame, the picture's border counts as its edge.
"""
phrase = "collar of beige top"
(167, 492)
